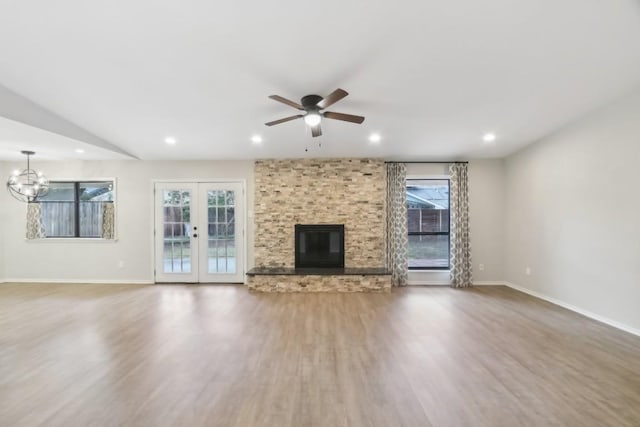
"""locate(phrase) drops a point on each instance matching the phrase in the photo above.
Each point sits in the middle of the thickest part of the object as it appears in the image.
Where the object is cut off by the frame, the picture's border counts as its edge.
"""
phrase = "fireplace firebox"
(319, 246)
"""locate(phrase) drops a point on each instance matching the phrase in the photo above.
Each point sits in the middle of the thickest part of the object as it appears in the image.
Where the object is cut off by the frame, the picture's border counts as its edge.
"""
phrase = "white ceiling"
(16, 136)
(430, 76)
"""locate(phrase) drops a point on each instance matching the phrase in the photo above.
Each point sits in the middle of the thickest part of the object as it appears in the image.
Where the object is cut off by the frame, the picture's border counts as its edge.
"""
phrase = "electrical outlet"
(527, 271)
(120, 264)
(481, 267)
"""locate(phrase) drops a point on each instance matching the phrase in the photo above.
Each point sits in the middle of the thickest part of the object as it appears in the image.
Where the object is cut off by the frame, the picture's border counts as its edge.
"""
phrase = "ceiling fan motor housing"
(310, 102)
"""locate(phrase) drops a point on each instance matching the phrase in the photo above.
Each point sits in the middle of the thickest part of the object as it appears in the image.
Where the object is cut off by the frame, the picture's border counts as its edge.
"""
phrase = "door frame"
(152, 225)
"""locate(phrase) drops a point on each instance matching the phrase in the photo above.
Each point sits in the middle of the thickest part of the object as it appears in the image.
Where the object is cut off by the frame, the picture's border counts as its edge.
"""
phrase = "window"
(428, 223)
(77, 209)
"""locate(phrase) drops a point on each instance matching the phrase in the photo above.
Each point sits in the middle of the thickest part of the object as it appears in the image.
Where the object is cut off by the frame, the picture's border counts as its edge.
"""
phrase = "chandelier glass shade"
(27, 185)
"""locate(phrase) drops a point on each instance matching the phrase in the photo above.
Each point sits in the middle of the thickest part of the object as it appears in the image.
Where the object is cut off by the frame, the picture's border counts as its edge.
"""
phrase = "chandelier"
(27, 185)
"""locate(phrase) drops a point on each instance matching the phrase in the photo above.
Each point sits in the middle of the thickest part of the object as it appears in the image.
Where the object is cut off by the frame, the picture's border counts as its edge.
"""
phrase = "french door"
(199, 232)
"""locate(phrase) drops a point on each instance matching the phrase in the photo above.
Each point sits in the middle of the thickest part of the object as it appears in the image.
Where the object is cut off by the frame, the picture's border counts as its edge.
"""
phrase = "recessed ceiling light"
(375, 138)
(256, 139)
(170, 140)
(489, 137)
(79, 150)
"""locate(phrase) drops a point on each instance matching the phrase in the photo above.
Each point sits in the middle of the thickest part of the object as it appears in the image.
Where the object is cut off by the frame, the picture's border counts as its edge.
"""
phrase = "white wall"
(79, 260)
(98, 261)
(4, 174)
(573, 214)
(486, 218)
(486, 210)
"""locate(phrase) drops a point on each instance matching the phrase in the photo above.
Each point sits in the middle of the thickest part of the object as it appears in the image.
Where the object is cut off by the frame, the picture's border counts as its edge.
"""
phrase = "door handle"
(195, 235)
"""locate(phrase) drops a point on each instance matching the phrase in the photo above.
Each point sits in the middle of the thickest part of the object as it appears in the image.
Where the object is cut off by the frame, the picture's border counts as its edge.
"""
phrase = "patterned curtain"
(35, 226)
(396, 240)
(461, 274)
(108, 221)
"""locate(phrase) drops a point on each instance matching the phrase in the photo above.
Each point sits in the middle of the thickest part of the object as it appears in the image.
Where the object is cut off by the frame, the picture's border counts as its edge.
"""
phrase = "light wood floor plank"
(165, 355)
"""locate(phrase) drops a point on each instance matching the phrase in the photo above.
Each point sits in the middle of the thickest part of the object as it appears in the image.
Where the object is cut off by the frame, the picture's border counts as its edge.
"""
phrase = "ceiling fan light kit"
(312, 106)
(312, 118)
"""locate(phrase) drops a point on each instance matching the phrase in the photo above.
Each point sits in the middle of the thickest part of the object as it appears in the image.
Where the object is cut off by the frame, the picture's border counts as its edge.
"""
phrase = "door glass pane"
(177, 231)
(221, 256)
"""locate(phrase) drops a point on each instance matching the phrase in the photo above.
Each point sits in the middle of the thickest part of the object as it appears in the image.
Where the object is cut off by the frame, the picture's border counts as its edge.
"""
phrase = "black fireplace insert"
(319, 246)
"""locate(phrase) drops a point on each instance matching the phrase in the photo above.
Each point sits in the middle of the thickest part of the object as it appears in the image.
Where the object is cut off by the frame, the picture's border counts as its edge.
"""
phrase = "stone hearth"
(319, 280)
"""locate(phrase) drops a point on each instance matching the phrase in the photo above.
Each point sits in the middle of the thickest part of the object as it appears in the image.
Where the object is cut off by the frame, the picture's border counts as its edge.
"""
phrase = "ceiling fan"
(312, 106)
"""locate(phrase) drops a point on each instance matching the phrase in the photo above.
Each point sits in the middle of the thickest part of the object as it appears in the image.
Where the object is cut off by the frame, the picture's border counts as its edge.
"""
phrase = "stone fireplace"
(347, 192)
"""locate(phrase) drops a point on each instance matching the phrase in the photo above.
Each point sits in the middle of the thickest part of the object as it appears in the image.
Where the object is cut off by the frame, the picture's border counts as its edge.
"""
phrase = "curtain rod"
(428, 162)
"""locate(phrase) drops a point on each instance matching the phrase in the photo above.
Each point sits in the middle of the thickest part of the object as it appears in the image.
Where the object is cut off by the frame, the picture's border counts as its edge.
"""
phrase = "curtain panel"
(461, 266)
(35, 226)
(108, 221)
(396, 224)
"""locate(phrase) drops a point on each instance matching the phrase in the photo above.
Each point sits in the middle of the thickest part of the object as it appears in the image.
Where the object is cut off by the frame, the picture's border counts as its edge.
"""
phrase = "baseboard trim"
(79, 281)
(586, 313)
(489, 283)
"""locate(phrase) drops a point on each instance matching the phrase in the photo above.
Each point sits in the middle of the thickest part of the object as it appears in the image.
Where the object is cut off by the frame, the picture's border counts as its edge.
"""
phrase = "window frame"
(432, 233)
(76, 202)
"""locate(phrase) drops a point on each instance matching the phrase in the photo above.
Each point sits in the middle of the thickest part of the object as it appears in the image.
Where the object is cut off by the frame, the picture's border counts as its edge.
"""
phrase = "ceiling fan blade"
(332, 98)
(286, 119)
(344, 117)
(316, 131)
(286, 101)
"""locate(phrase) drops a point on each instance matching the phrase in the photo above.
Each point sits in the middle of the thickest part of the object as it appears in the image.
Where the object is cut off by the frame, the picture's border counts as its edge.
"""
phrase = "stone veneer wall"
(320, 191)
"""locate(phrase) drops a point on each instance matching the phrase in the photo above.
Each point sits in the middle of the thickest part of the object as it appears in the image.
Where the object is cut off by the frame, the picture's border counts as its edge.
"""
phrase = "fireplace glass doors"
(319, 246)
